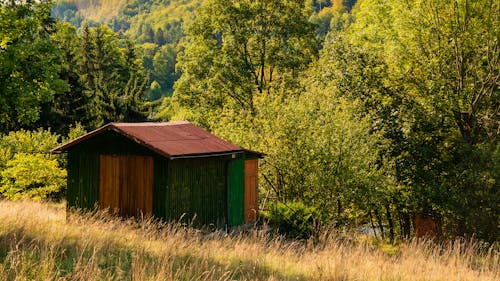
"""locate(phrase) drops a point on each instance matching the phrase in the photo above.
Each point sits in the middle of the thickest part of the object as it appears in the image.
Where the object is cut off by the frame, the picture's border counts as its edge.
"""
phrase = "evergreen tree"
(159, 37)
(67, 108)
(113, 79)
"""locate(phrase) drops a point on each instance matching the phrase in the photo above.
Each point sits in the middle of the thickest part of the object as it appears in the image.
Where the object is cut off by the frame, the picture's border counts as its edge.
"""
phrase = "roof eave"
(202, 155)
(66, 146)
(110, 126)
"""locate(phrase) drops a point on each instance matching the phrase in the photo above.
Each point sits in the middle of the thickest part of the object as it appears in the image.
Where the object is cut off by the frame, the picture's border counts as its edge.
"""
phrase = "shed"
(172, 170)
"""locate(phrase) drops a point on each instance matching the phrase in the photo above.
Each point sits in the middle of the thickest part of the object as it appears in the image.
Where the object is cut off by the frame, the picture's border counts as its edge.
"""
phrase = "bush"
(26, 169)
(295, 220)
(34, 176)
(39, 141)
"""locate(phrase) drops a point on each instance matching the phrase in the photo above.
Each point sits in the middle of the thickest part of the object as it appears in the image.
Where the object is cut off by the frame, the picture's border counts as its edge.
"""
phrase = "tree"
(33, 176)
(444, 59)
(113, 80)
(164, 67)
(29, 62)
(67, 108)
(249, 48)
(26, 171)
(159, 37)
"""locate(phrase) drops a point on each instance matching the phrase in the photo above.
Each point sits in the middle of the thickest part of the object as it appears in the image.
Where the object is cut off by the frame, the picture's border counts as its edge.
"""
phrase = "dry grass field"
(38, 242)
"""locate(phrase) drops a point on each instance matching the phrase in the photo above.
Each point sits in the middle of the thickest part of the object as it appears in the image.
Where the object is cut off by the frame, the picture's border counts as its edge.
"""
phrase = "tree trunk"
(379, 221)
(391, 224)
(373, 225)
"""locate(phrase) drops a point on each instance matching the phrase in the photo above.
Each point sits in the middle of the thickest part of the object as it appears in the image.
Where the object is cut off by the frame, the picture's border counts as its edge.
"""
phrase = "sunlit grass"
(38, 241)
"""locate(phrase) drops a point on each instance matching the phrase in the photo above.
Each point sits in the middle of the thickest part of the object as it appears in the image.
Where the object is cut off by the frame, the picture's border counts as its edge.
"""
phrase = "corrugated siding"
(192, 187)
(236, 192)
(83, 180)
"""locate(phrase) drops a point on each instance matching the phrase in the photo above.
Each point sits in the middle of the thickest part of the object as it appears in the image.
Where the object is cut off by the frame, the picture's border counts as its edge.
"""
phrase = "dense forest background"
(370, 112)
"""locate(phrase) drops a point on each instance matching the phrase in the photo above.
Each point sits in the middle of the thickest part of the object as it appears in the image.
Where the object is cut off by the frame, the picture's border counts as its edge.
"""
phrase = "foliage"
(228, 61)
(30, 63)
(147, 23)
(66, 108)
(76, 131)
(293, 219)
(370, 113)
(33, 176)
(26, 170)
(28, 142)
(112, 79)
(443, 55)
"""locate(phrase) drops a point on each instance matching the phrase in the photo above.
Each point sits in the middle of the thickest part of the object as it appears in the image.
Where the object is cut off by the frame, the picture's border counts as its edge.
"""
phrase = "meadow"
(40, 241)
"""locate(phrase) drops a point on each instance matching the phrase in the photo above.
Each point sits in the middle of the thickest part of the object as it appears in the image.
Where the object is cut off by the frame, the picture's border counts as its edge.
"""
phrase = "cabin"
(171, 170)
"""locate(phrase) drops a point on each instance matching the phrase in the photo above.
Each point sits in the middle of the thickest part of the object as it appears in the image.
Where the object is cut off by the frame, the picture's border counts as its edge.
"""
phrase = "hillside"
(156, 28)
(129, 16)
(38, 242)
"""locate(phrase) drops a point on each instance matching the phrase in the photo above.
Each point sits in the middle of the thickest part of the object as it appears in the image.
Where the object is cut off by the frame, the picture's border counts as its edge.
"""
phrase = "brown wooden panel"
(251, 180)
(126, 208)
(109, 184)
(141, 184)
(127, 184)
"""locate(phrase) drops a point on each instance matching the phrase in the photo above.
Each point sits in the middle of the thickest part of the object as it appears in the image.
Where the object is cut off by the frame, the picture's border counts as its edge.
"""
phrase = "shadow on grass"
(24, 253)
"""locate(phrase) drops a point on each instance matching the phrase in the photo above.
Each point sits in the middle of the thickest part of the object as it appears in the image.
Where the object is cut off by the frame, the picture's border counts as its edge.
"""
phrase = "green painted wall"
(236, 191)
(160, 184)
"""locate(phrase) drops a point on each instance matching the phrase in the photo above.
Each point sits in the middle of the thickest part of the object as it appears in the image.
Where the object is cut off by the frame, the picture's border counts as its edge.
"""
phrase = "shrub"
(39, 141)
(34, 176)
(26, 171)
(294, 220)
(75, 131)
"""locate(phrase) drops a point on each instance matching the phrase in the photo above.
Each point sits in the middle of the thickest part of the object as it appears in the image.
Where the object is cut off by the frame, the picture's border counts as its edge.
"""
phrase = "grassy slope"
(37, 243)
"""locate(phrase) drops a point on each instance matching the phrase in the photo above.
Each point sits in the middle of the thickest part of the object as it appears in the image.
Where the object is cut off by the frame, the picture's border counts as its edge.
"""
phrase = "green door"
(236, 192)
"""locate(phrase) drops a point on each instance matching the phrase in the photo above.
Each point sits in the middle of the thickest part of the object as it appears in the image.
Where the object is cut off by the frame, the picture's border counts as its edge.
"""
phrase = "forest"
(369, 112)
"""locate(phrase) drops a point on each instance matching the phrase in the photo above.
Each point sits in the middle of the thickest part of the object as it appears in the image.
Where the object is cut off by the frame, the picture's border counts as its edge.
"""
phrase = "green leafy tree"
(159, 37)
(249, 48)
(26, 169)
(442, 56)
(30, 63)
(164, 66)
(30, 142)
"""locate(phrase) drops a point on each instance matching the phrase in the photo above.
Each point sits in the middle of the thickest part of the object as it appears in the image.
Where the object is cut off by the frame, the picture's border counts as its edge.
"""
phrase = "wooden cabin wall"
(84, 166)
(192, 188)
(126, 184)
(82, 180)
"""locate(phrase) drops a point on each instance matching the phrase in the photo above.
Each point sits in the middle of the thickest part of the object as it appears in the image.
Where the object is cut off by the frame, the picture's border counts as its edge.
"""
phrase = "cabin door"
(251, 180)
(126, 184)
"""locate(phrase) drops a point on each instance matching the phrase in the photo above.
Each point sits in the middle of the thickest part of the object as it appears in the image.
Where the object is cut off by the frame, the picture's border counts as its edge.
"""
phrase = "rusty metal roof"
(176, 139)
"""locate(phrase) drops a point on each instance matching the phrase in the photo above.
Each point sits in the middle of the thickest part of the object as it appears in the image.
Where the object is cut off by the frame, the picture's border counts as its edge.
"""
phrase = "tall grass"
(38, 241)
